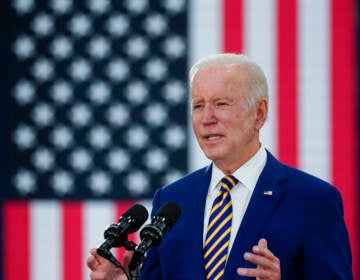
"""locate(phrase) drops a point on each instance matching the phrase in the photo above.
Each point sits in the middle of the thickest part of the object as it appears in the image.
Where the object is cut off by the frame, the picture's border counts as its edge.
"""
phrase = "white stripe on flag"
(314, 93)
(147, 203)
(205, 37)
(46, 242)
(205, 34)
(97, 216)
(260, 46)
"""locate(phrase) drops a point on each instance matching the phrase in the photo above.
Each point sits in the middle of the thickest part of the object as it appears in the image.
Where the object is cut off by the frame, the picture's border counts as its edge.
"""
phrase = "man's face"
(226, 128)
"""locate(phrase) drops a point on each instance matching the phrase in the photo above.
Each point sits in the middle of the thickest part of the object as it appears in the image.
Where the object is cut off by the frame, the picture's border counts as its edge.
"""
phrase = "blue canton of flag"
(97, 98)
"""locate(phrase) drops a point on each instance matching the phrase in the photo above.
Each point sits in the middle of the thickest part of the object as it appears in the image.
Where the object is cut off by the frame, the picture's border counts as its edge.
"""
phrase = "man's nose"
(209, 115)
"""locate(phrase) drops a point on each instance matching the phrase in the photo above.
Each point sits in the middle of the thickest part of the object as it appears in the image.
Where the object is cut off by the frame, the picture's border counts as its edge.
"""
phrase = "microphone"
(116, 234)
(152, 234)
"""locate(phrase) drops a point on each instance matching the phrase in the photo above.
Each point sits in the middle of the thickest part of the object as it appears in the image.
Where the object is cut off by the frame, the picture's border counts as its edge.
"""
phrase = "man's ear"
(261, 112)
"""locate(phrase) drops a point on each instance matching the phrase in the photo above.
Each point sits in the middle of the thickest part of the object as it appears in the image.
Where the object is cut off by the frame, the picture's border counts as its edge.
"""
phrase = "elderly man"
(246, 214)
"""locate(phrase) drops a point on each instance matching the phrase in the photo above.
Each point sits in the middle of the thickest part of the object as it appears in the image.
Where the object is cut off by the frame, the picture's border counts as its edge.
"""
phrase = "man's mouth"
(212, 137)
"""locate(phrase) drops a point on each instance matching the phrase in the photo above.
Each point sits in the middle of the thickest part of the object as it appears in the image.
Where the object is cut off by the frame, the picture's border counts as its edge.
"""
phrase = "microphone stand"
(137, 260)
(104, 251)
(114, 239)
(151, 237)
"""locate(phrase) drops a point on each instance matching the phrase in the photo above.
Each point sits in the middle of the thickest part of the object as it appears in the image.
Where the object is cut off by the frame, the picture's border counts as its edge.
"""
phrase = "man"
(263, 220)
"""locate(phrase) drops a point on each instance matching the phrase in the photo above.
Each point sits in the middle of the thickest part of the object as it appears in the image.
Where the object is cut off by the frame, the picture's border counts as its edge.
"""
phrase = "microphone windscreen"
(139, 215)
(170, 211)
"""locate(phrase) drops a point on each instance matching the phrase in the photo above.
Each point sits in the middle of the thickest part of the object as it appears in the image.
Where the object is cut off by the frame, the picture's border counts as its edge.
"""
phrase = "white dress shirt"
(248, 175)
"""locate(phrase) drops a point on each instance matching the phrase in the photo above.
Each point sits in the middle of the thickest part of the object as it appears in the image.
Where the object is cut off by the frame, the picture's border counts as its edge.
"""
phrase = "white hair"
(256, 80)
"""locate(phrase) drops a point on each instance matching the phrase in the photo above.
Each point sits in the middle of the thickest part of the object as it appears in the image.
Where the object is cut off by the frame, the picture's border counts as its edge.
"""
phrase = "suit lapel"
(194, 212)
(265, 198)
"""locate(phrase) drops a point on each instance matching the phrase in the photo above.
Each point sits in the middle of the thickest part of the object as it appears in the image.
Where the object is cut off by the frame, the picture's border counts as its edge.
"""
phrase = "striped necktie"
(218, 231)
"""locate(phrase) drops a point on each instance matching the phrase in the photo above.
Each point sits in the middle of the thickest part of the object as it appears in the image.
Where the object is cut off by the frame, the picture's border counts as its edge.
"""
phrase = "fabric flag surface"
(94, 110)
(94, 120)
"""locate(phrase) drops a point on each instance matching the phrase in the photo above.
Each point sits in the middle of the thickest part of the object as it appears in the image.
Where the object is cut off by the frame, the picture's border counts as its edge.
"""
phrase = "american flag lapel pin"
(268, 192)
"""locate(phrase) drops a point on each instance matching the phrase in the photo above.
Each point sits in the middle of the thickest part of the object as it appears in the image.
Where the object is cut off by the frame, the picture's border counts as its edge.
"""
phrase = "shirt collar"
(248, 174)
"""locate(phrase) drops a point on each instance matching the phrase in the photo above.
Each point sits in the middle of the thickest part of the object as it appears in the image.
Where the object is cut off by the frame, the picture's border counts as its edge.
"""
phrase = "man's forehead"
(228, 72)
(228, 67)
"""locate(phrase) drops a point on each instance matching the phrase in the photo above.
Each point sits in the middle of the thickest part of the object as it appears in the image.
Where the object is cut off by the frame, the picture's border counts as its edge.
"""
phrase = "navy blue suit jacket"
(302, 221)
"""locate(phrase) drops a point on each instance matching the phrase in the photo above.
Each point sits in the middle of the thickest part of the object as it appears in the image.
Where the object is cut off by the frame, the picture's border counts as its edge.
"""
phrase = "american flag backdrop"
(94, 112)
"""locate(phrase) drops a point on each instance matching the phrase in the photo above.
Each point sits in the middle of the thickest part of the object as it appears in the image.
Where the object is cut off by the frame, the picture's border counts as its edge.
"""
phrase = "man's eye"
(221, 104)
(197, 106)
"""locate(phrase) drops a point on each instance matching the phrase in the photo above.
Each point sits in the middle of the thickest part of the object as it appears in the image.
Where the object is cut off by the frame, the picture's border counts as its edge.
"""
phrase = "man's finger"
(252, 272)
(262, 243)
(258, 260)
(262, 250)
(94, 253)
(97, 275)
(93, 260)
(127, 258)
(98, 258)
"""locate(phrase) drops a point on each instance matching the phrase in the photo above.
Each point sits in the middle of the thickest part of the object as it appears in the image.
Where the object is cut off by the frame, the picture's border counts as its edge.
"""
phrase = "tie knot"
(227, 183)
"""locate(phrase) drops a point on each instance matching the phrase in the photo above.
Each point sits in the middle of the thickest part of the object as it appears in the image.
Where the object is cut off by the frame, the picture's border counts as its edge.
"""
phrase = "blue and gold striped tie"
(218, 231)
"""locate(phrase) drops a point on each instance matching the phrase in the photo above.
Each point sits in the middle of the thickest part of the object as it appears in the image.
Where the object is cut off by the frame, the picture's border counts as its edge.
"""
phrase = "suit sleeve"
(151, 269)
(327, 253)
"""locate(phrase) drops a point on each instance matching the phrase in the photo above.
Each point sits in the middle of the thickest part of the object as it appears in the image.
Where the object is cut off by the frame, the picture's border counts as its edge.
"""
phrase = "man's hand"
(268, 265)
(102, 269)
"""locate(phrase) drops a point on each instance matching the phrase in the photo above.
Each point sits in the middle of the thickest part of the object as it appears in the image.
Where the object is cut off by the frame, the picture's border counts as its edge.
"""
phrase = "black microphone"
(152, 234)
(116, 234)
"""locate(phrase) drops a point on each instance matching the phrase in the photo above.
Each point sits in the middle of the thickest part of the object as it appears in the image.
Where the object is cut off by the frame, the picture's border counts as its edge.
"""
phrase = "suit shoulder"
(187, 181)
(307, 182)
(294, 178)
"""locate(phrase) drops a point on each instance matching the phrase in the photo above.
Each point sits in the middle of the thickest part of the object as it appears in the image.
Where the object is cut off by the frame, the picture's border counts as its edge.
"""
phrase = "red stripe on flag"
(233, 26)
(121, 208)
(287, 82)
(16, 241)
(344, 115)
(72, 236)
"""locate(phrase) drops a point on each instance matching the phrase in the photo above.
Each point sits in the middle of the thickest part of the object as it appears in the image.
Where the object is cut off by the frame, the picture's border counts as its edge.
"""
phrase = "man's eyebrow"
(224, 98)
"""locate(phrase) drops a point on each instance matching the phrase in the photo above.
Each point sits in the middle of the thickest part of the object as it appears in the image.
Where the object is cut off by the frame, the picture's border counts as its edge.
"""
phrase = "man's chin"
(213, 155)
